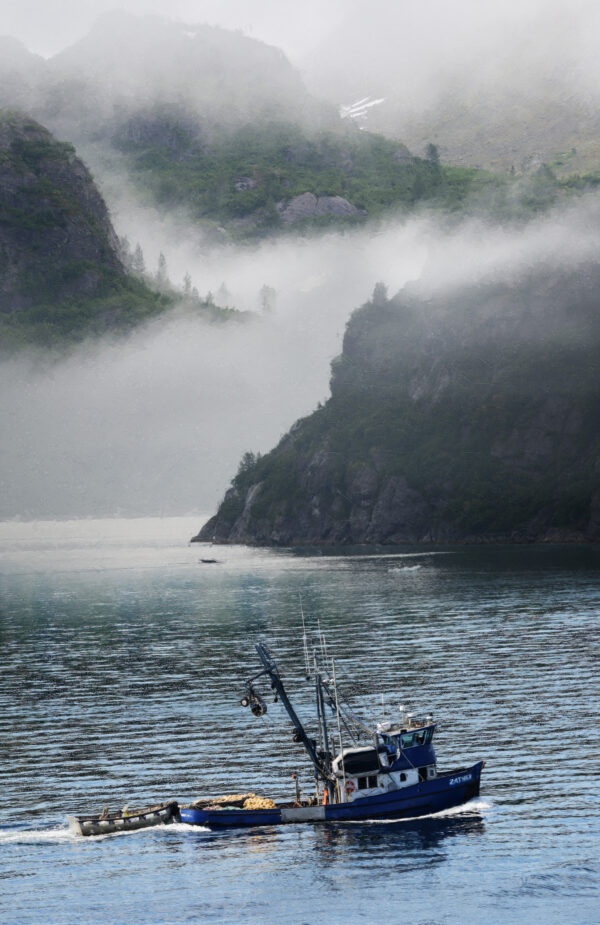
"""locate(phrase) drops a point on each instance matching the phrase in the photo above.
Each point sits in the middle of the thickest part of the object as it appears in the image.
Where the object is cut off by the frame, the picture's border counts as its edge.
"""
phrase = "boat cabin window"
(367, 783)
(403, 776)
(422, 737)
(390, 744)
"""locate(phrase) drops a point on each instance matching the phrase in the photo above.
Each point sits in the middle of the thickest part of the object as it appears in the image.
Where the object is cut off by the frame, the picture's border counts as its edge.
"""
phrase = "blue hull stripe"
(230, 817)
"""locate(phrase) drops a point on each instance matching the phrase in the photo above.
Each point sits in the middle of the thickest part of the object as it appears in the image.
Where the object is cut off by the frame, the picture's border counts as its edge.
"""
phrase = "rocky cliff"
(56, 238)
(465, 416)
(60, 270)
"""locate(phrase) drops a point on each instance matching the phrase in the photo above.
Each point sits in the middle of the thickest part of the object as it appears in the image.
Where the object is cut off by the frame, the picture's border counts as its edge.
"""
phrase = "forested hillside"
(221, 126)
(61, 271)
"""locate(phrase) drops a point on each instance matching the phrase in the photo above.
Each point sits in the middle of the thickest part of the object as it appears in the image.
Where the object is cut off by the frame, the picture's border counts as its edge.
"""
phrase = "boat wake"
(474, 807)
(405, 568)
(60, 833)
(35, 836)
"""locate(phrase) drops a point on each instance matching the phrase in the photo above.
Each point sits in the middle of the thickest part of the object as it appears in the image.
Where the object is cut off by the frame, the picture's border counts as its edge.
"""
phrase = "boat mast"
(339, 725)
(322, 720)
(304, 642)
(277, 684)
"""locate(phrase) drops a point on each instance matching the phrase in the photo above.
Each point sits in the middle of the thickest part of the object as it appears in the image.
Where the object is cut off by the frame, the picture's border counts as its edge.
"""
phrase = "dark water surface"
(123, 660)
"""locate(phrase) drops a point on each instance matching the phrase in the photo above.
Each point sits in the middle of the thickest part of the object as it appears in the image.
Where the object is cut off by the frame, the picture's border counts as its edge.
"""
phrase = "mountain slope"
(60, 271)
(131, 64)
(128, 62)
(493, 87)
(220, 125)
(472, 416)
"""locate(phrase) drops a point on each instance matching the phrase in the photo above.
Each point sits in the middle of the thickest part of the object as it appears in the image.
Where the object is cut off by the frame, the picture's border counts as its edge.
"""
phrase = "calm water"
(123, 659)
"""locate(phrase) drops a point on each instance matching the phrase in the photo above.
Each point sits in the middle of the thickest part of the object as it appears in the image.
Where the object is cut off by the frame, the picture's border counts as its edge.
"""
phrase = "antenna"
(322, 641)
(339, 725)
(304, 641)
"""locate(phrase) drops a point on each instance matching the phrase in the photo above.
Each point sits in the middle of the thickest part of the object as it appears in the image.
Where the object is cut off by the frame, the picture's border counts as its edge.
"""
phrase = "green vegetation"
(246, 172)
(119, 306)
(33, 153)
(62, 276)
(57, 247)
(237, 178)
(424, 446)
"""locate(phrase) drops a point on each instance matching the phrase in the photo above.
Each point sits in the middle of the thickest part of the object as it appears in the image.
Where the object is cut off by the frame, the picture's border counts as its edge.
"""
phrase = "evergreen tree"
(162, 278)
(125, 252)
(223, 298)
(267, 299)
(247, 463)
(138, 264)
(380, 294)
(418, 188)
(432, 153)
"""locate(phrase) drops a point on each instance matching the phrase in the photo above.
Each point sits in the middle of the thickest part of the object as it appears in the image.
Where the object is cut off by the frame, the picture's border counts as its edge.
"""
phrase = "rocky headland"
(466, 416)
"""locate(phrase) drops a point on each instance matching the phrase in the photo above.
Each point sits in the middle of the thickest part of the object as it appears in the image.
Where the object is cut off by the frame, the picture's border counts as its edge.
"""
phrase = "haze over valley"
(249, 220)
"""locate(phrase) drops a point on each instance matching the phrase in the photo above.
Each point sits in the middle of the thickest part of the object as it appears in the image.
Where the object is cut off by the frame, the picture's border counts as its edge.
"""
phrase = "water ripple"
(122, 672)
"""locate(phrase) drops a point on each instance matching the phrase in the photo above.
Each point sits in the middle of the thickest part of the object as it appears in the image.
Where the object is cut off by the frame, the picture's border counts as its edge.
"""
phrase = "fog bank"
(157, 423)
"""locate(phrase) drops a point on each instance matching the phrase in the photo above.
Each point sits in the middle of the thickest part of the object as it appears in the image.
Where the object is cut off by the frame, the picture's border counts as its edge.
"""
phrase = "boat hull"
(162, 814)
(431, 796)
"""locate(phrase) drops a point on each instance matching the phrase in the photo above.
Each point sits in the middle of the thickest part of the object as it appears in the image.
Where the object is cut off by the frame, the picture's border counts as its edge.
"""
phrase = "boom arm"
(277, 684)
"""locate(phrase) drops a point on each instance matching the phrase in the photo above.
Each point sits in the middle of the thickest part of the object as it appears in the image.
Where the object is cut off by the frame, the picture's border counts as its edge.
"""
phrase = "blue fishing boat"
(394, 776)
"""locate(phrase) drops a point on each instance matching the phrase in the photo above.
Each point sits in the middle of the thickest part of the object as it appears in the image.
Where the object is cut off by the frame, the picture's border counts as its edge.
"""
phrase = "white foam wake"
(471, 808)
(33, 836)
(62, 833)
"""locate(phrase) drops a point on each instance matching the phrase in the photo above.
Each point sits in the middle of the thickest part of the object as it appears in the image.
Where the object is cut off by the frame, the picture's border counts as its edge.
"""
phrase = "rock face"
(468, 418)
(307, 205)
(56, 239)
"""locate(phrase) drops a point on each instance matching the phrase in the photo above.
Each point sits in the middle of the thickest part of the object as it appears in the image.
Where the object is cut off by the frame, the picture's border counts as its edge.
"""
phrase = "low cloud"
(157, 423)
